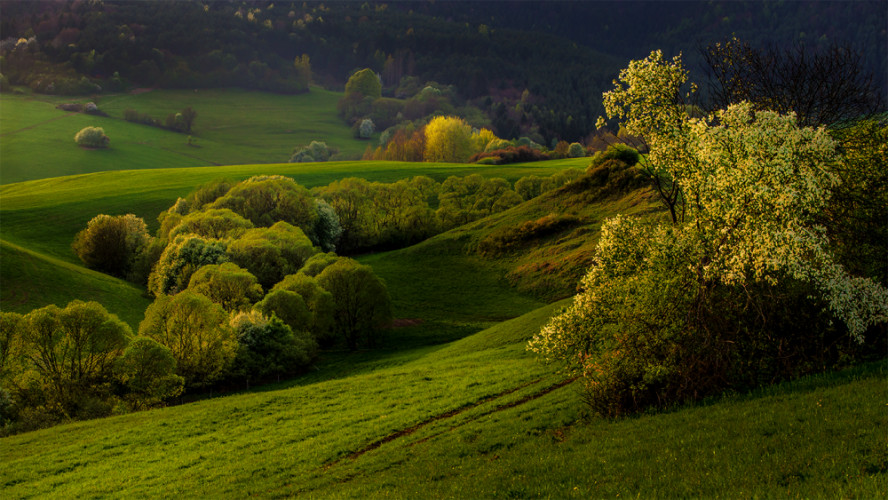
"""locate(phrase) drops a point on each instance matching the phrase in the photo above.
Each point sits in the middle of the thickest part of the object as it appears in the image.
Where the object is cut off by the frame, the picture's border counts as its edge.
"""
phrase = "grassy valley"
(683, 298)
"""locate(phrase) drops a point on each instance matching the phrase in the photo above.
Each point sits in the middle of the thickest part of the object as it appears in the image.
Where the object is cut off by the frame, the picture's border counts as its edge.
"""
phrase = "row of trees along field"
(772, 264)
(247, 289)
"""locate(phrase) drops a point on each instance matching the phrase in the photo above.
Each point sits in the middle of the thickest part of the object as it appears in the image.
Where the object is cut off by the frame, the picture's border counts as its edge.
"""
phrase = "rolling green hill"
(41, 217)
(480, 417)
(232, 127)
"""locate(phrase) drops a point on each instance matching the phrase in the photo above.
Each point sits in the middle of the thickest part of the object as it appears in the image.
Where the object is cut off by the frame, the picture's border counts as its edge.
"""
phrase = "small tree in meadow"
(92, 137)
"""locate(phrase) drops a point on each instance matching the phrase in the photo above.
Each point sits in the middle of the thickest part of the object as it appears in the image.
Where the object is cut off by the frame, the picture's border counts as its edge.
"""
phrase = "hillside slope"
(232, 127)
(480, 417)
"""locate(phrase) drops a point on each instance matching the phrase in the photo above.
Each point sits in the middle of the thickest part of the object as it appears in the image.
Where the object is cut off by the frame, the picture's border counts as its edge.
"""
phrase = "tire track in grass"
(513, 404)
(452, 413)
(415, 427)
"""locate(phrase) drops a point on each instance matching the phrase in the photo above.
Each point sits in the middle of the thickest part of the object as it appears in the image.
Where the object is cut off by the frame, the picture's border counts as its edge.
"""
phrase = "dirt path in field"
(452, 413)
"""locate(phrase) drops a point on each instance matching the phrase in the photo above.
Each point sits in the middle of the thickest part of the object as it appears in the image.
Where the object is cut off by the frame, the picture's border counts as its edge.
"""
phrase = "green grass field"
(232, 127)
(478, 418)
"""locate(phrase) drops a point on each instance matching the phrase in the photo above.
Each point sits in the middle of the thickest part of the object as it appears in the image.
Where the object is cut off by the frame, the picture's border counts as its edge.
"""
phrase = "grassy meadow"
(232, 127)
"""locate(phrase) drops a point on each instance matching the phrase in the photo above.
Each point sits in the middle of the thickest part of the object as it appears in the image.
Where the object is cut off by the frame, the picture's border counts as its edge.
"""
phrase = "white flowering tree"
(663, 304)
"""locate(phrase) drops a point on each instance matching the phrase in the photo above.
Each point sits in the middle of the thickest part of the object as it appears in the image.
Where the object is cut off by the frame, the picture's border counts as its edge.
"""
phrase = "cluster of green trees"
(752, 279)
(77, 362)
(244, 293)
(452, 139)
(375, 215)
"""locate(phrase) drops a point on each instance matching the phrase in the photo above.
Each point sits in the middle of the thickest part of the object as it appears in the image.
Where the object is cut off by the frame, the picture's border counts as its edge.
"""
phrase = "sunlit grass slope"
(232, 127)
(478, 418)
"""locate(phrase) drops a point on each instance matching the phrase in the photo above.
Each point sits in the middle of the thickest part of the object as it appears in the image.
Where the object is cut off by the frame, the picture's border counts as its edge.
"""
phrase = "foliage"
(266, 199)
(289, 306)
(180, 259)
(148, 371)
(63, 357)
(656, 322)
(196, 331)
(214, 224)
(317, 263)
(621, 152)
(448, 139)
(319, 301)
(510, 154)
(361, 303)
(366, 129)
(365, 83)
(271, 253)
(315, 151)
(226, 284)
(327, 230)
(576, 150)
(268, 348)
(112, 244)
(465, 199)
(92, 137)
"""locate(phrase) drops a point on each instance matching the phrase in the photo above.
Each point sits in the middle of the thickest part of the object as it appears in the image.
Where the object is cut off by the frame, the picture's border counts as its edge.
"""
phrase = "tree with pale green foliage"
(65, 356)
(320, 304)
(180, 259)
(448, 139)
(662, 316)
(216, 224)
(266, 199)
(576, 150)
(364, 83)
(271, 253)
(226, 284)
(197, 333)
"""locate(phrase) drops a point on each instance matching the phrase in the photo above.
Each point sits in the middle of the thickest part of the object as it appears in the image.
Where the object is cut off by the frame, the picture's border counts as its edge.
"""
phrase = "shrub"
(92, 137)
(366, 129)
(512, 154)
(576, 150)
(111, 244)
(315, 151)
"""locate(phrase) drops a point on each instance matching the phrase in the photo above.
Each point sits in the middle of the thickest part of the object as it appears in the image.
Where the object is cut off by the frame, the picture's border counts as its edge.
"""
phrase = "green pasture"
(232, 127)
(31, 280)
(480, 418)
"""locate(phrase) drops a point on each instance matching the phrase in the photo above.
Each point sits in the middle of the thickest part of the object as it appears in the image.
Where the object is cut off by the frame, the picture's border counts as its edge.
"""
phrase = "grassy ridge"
(481, 418)
(232, 127)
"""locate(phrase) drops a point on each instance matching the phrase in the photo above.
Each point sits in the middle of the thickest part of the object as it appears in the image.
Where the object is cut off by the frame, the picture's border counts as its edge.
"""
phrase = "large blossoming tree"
(678, 310)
